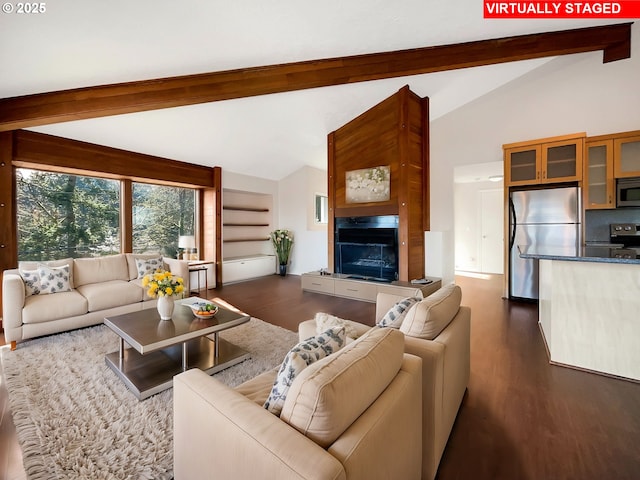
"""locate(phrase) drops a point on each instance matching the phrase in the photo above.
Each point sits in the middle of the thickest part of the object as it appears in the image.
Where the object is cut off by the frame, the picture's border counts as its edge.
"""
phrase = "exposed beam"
(91, 102)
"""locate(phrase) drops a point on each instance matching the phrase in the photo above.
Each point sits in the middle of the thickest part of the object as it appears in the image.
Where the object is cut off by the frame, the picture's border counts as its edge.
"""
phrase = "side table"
(199, 269)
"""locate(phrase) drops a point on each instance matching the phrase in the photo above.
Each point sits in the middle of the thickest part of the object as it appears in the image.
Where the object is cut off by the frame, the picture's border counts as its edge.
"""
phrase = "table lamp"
(188, 244)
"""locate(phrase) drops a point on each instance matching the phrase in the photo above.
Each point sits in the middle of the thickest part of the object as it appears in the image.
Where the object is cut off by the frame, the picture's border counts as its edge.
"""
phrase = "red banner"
(561, 9)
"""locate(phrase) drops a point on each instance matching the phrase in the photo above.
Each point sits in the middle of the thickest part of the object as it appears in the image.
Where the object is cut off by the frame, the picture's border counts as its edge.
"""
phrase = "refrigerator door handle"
(512, 233)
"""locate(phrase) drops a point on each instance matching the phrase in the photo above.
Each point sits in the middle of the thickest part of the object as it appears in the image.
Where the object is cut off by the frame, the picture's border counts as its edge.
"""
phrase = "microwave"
(628, 192)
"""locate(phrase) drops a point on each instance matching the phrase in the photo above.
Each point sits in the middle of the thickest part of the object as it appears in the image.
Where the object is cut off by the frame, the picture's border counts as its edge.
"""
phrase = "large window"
(62, 216)
(160, 216)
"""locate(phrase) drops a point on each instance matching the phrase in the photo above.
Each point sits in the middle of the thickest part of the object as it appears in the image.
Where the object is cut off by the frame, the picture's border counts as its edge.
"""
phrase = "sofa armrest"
(432, 355)
(218, 431)
(386, 440)
(445, 368)
(13, 297)
(307, 329)
(456, 338)
(180, 268)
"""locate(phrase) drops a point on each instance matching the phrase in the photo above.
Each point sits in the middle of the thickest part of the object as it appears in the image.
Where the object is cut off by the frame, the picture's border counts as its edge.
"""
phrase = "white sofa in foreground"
(100, 286)
(352, 415)
(438, 330)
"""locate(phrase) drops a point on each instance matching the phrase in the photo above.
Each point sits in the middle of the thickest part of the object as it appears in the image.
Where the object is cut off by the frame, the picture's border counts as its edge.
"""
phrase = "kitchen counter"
(600, 254)
(588, 310)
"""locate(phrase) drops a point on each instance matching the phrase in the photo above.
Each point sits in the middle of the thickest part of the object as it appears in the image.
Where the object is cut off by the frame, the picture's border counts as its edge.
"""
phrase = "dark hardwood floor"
(521, 417)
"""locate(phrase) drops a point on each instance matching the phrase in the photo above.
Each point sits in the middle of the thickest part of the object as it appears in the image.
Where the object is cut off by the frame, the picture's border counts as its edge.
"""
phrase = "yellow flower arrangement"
(161, 283)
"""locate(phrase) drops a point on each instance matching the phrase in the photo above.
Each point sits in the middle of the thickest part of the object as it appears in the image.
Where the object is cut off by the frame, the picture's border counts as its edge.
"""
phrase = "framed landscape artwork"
(368, 185)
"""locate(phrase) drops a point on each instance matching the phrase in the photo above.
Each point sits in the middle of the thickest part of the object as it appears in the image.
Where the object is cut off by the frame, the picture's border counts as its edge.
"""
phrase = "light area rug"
(75, 419)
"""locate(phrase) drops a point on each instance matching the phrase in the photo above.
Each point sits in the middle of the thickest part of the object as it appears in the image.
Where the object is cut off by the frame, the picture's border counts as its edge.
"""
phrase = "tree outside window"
(160, 215)
(61, 216)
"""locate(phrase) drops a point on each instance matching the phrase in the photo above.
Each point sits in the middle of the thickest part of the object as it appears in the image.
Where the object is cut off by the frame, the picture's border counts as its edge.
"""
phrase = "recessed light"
(495, 178)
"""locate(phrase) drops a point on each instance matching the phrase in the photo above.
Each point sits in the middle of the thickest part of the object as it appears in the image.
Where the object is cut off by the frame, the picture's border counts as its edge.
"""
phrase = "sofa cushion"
(109, 294)
(145, 295)
(54, 279)
(44, 308)
(329, 395)
(33, 265)
(300, 357)
(133, 267)
(396, 314)
(100, 269)
(430, 316)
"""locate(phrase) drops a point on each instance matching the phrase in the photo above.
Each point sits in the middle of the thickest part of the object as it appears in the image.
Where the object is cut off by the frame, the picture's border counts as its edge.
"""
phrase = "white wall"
(576, 93)
(247, 183)
(296, 206)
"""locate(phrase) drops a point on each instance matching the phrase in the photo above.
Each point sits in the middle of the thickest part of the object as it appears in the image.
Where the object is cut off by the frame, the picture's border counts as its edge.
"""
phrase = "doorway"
(491, 231)
(479, 218)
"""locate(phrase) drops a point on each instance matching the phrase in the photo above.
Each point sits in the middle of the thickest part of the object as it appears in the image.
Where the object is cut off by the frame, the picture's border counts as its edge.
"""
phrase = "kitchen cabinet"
(543, 161)
(626, 154)
(599, 181)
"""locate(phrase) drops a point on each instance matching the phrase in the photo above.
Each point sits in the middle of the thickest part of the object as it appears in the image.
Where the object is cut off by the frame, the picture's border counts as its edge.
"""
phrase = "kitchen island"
(589, 310)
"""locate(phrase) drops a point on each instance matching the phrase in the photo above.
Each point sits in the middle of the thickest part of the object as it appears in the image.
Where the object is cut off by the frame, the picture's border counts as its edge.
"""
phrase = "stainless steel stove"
(627, 234)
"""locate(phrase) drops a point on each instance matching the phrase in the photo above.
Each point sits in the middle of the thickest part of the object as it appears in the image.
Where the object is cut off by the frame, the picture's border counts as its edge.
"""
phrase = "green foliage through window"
(62, 216)
(160, 215)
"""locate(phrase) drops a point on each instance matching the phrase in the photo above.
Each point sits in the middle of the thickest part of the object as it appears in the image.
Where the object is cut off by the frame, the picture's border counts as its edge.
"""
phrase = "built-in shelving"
(235, 240)
(246, 224)
(229, 224)
(244, 209)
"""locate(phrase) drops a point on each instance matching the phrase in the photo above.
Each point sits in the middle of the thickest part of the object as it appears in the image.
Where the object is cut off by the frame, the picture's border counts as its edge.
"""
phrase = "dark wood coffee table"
(160, 349)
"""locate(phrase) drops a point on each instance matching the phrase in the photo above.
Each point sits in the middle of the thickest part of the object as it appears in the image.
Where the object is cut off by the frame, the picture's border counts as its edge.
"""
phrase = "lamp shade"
(186, 241)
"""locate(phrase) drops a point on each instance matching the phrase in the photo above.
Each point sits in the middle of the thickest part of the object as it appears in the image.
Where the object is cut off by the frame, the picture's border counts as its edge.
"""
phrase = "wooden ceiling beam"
(91, 102)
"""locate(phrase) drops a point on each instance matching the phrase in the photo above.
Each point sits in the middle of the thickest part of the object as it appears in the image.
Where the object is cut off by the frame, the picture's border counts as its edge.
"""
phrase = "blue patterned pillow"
(148, 265)
(31, 280)
(394, 317)
(54, 279)
(299, 358)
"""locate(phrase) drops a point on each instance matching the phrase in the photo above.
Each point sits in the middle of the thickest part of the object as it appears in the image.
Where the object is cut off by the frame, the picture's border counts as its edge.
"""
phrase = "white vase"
(165, 307)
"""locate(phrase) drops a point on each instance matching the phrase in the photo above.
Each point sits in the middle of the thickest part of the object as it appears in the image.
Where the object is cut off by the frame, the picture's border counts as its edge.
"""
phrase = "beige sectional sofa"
(349, 415)
(445, 361)
(100, 287)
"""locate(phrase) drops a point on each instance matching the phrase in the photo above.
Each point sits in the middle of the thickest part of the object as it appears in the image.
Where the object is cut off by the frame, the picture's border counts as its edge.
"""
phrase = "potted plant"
(282, 241)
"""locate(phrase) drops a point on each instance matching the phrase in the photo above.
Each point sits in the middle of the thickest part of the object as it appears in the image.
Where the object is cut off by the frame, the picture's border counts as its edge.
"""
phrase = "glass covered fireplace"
(367, 247)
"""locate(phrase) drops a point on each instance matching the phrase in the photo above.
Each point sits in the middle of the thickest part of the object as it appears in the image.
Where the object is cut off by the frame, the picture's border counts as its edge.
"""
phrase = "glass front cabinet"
(550, 160)
(608, 158)
(599, 182)
(626, 155)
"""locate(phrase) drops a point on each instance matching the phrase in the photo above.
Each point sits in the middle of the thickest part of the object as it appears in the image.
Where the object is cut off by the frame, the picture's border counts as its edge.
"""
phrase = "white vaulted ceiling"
(93, 42)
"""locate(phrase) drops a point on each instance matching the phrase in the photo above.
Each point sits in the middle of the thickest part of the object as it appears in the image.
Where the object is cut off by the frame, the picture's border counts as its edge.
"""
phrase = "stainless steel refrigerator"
(548, 217)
